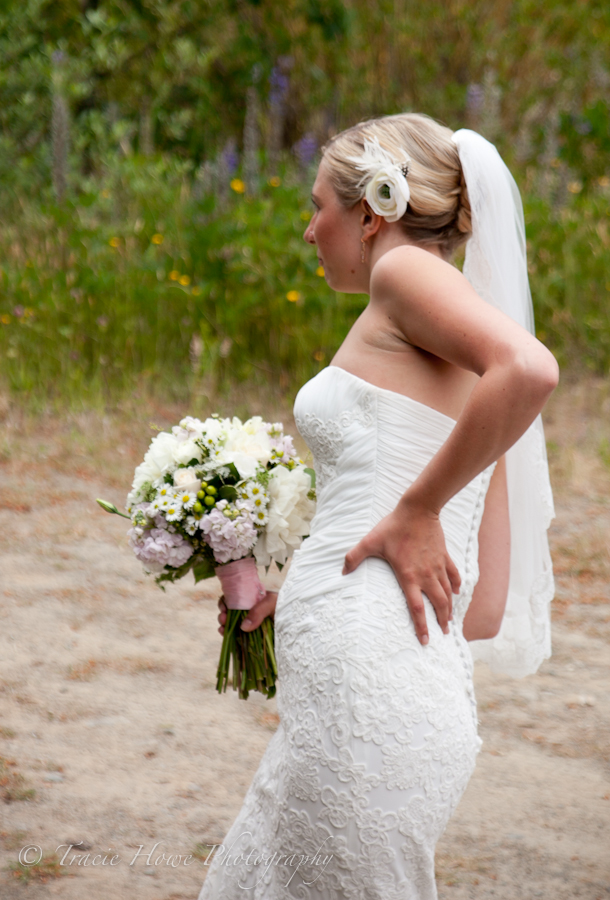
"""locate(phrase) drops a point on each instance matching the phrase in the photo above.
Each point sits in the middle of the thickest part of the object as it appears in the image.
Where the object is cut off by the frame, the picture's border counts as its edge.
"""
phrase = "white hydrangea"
(290, 511)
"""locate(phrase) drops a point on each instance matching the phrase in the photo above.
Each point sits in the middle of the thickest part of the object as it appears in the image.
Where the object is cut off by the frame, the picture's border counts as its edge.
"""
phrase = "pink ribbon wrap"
(240, 583)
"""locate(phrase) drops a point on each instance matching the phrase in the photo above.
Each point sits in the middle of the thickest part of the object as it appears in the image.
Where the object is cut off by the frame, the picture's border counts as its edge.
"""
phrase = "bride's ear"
(370, 222)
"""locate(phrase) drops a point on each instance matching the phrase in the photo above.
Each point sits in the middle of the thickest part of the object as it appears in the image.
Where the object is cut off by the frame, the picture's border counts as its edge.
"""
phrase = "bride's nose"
(308, 235)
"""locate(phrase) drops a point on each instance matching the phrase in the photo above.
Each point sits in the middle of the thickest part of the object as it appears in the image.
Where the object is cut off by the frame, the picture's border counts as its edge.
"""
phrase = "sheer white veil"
(496, 266)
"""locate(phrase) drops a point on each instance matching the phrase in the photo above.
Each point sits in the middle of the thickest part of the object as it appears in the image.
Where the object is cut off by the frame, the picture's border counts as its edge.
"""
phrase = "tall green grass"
(143, 285)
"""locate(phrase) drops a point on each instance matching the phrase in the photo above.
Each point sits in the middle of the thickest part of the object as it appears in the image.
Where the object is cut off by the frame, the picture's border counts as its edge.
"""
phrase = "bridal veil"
(496, 266)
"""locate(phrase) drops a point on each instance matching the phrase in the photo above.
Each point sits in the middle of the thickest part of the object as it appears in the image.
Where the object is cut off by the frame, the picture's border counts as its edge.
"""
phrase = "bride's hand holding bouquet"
(220, 497)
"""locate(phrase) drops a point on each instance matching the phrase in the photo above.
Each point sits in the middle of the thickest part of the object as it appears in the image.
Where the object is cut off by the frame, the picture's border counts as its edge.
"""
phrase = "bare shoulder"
(435, 308)
(409, 272)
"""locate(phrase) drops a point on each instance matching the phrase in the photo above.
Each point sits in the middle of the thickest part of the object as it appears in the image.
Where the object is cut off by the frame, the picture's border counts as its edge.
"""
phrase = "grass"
(12, 783)
(41, 872)
(144, 289)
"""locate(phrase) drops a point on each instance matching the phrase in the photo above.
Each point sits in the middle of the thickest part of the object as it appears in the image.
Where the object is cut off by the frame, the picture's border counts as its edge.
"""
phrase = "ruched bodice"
(369, 445)
(378, 734)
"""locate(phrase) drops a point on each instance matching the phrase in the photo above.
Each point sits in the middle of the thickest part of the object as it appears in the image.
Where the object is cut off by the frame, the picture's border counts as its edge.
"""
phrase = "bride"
(430, 530)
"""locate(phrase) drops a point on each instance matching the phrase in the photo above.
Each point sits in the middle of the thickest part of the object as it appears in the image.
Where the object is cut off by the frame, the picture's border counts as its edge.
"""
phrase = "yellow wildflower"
(604, 181)
(196, 290)
(274, 181)
(105, 194)
(5, 319)
(184, 280)
(319, 355)
(306, 215)
(157, 239)
(238, 185)
(114, 242)
(575, 187)
(320, 271)
(174, 275)
(293, 296)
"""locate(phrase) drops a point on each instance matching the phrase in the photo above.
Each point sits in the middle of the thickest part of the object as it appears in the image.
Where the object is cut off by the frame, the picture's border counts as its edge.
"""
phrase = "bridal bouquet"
(220, 497)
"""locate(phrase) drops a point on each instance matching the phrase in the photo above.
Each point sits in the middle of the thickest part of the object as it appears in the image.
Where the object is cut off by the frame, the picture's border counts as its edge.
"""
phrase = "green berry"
(211, 490)
(209, 501)
(197, 508)
(200, 495)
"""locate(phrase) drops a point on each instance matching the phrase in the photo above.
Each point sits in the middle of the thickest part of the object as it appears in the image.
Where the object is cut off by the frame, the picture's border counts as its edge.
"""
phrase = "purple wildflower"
(475, 95)
(306, 149)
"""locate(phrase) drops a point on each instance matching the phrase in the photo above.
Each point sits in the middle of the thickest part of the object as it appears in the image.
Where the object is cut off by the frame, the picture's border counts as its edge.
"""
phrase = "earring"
(362, 241)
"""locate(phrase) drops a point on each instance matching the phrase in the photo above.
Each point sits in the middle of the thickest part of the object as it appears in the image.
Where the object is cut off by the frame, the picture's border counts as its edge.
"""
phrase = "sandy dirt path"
(109, 713)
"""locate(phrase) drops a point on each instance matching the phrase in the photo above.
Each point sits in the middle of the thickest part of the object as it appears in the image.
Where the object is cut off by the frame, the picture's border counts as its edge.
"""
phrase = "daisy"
(186, 499)
(173, 512)
(260, 517)
(191, 525)
(255, 490)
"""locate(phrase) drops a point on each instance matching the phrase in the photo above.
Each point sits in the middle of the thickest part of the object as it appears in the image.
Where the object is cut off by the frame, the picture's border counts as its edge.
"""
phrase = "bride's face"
(336, 232)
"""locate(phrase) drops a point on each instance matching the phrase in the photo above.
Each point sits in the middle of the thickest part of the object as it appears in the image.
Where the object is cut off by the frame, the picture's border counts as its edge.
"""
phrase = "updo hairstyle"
(438, 212)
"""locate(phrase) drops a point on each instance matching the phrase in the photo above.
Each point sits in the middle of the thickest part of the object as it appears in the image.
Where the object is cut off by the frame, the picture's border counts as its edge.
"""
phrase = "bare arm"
(484, 615)
(437, 310)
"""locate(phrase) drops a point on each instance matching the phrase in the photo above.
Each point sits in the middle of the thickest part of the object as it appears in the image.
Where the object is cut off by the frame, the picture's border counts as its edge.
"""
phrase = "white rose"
(388, 193)
(290, 513)
(186, 480)
(246, 450)
(186, 451)
(159, 459)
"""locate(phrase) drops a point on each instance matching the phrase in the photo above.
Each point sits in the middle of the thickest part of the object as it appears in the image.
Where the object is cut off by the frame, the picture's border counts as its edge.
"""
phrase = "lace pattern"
(324, 437)
(378, 735)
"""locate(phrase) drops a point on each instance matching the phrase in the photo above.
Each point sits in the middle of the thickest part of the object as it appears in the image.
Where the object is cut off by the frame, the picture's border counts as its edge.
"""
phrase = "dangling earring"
(362, 241)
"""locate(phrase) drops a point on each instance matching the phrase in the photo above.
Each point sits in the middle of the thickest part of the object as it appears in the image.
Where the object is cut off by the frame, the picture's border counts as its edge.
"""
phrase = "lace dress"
(378, 734)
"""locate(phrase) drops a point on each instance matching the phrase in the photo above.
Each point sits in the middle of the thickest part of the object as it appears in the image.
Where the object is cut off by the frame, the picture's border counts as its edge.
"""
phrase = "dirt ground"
(112, 733)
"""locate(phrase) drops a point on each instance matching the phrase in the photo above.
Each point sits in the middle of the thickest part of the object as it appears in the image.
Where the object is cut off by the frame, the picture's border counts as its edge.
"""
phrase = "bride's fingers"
(446, 586)
(438, 598)
(355, 556)
(415, 602)
(260, 611)
(453, 575)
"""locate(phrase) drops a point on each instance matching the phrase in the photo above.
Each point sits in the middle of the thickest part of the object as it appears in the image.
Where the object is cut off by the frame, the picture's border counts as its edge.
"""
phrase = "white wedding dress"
(378, 734)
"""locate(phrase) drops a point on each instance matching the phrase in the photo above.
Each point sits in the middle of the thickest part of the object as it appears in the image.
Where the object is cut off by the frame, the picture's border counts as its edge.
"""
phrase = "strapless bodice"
(369, 444)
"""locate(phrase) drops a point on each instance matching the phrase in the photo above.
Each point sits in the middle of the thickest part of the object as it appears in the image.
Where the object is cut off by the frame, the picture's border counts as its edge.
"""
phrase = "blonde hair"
(438, 212)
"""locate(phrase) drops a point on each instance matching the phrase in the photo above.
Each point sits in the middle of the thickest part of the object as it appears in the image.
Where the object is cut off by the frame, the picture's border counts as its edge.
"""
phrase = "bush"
(141, 283)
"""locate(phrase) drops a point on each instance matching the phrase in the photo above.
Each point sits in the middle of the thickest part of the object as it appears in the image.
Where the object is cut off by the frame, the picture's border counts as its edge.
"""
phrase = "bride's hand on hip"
(260, 611)
(412, 542)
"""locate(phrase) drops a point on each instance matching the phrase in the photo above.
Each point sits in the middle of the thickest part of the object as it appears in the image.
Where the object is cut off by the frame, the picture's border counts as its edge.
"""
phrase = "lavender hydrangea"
(228, 538)
(158, 547)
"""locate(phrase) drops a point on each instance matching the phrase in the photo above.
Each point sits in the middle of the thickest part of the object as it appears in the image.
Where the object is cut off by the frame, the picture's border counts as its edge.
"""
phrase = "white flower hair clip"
(387, 190)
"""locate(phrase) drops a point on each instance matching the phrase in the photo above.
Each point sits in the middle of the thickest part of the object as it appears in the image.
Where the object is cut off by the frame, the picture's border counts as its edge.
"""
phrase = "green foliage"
(146, 96)
(569, 262)
(91, 306)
